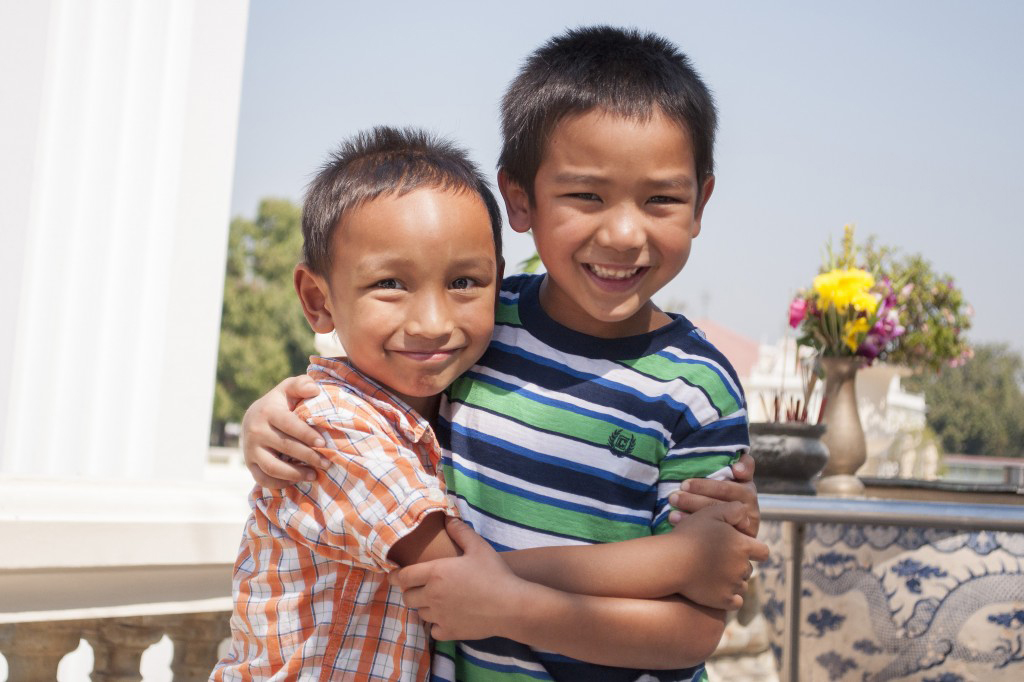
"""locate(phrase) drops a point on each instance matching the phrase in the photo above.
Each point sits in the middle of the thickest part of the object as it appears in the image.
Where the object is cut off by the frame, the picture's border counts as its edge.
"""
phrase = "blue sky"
(901, 117)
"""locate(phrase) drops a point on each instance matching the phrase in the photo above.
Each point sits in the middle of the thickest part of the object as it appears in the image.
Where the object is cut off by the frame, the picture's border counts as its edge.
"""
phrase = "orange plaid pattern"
(312, 600)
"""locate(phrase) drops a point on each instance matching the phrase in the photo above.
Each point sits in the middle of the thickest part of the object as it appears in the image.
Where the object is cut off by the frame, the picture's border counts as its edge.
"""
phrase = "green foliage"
(264, 336)
(932, 309)
(531, 264)
(978, 409)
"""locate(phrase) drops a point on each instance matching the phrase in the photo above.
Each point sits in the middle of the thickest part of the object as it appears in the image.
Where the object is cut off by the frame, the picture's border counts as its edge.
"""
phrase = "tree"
(978, 409)
(264, 336)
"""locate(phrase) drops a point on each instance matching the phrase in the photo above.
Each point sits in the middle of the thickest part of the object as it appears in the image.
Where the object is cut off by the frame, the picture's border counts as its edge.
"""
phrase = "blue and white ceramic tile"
(887, 603)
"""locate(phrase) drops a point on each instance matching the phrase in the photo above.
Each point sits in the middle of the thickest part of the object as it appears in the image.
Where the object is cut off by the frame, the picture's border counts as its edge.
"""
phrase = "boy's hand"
(276, 443)
(722, 556)
(462, 598)
(697, 493)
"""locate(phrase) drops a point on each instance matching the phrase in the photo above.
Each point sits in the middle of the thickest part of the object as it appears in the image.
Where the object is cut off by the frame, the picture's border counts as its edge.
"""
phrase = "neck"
(425, 407)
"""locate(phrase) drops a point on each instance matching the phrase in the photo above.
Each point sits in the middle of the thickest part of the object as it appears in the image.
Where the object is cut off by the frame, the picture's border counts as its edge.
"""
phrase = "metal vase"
(844, 437)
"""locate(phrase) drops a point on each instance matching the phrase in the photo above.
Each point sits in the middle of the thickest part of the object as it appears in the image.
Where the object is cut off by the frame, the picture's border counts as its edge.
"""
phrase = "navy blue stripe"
(723, 376)
(560, 463)
(548, 500)
(647, 401)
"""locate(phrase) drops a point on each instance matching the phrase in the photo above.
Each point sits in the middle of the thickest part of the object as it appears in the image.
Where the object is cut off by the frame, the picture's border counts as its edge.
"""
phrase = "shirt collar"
(412, 425)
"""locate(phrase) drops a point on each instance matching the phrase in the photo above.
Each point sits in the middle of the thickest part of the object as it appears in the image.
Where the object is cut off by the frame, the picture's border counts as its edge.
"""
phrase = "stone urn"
(788, 456)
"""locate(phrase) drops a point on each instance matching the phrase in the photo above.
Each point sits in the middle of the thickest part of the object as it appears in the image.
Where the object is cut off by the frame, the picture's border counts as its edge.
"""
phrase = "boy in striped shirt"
(570, 437)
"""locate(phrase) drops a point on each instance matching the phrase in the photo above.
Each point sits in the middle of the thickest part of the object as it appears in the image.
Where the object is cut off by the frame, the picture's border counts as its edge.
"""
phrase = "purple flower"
(887, 327)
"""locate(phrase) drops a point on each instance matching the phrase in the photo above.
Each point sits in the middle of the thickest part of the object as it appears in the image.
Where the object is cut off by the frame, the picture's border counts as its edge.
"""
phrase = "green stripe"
(543, 517)
(696, 466)
(483, 395)
(695, 373)
(508, 313)
(467, 670)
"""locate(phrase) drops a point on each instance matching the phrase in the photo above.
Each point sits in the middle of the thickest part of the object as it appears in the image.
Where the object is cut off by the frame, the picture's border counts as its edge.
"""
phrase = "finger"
(743, 469)
(675, 517)
(724, 491)
(285, 445)
(688, 502)
(411, 577)
(732, 513)
(275, 473)
(760, 551)
(291, 428)
(284, 468)
(297, 389)
(462, 535)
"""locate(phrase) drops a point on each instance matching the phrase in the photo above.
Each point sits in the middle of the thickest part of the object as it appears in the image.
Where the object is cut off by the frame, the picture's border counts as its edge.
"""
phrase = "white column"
(116, 161)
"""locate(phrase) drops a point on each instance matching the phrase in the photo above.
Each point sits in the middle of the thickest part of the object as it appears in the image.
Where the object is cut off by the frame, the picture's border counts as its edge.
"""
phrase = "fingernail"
(740, 467)
(319, 443)
(310, 476)
(325, 463)
(673, 499)
(675, 517)
(685, 487)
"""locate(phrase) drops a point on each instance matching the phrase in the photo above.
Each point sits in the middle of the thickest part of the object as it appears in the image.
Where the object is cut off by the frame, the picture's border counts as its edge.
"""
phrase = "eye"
(662, 199)
(463, 283)
(390, 283)
(584, 196)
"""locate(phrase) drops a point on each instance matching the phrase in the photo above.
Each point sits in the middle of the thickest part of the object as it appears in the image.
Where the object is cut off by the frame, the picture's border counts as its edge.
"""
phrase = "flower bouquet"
(889, 308)
(858, 311)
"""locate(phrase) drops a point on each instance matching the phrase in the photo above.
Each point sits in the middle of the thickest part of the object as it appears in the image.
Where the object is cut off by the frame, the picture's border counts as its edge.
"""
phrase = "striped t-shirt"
(559, 438)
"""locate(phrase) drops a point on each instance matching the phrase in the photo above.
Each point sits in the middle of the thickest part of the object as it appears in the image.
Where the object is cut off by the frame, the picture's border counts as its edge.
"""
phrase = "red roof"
(741, 351)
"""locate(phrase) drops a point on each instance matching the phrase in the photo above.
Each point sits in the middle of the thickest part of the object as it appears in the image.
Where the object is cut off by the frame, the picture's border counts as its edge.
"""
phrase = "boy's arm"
(373, 504)
(478, 595)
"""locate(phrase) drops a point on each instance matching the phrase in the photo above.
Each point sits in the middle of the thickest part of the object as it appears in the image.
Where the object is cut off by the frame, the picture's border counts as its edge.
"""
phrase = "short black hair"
(621, 71)
(382, 161)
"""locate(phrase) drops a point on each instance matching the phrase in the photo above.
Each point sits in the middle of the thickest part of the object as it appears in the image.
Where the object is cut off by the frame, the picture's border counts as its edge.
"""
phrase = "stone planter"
(789, 456)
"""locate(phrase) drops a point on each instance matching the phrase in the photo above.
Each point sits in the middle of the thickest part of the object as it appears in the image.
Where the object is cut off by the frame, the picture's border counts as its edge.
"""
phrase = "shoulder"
(340, 404)
(698, 371)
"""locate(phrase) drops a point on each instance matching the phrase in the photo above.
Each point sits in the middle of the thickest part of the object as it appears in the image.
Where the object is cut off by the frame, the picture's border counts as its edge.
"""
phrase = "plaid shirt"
(312, 600)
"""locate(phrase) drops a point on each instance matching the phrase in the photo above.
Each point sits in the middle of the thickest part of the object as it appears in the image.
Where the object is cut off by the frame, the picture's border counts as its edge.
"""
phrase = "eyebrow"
(681, 183)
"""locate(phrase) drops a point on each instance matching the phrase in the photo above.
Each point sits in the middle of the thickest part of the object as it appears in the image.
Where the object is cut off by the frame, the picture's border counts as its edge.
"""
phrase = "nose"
(622, 229)
(430, 316)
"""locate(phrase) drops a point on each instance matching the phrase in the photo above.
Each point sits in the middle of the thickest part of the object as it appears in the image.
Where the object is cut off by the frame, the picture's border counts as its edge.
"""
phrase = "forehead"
(601, 140)
(425, 226)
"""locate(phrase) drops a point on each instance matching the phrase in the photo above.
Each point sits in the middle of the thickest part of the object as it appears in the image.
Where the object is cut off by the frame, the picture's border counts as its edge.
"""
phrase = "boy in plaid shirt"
(310, 589)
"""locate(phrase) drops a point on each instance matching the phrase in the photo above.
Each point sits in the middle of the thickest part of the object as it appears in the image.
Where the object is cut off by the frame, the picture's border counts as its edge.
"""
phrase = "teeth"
(613, 273)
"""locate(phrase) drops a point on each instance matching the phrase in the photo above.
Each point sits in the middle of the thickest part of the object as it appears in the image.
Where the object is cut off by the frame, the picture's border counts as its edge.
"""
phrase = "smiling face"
(411, 292)
(615, 208)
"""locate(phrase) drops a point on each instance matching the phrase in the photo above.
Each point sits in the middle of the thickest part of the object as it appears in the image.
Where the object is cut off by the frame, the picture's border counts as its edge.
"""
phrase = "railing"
(796, 512)
(120, 565)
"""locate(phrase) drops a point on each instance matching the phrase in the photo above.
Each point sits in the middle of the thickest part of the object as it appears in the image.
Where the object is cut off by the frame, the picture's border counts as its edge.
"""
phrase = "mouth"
(428, 356)
(615, 274)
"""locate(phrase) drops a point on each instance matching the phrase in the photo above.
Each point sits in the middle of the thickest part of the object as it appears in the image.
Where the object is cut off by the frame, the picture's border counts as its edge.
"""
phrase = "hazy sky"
(901, 117)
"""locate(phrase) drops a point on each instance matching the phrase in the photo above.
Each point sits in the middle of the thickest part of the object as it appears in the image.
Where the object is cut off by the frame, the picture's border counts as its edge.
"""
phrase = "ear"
(705, 194)
(517, 203)
(315, 298)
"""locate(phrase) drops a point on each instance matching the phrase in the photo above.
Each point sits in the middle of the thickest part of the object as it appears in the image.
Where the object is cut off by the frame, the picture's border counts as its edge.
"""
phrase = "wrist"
(523, 607)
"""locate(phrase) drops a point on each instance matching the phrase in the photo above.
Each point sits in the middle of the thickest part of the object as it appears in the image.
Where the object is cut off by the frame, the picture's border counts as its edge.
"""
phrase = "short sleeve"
(375, 492)
(706, 452)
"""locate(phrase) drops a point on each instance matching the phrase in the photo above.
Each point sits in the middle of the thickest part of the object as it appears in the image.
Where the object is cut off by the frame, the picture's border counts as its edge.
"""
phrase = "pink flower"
(797, 312)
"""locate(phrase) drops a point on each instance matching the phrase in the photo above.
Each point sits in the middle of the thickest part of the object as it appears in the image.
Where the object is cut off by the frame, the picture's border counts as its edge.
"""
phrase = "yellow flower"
(852, 331)
(843, 288)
